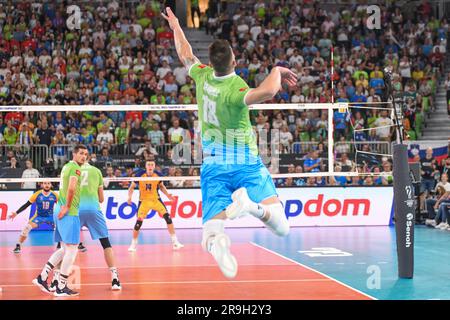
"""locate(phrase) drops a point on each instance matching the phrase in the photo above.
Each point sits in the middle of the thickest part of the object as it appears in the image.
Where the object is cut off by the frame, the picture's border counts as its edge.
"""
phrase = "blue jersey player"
(45, 200)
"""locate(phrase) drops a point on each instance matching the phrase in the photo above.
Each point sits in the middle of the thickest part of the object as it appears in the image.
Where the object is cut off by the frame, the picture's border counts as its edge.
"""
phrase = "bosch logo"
(409, 224)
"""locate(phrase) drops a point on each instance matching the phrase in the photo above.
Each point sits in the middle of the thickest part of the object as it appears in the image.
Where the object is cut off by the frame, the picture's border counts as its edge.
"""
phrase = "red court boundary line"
(313, 270)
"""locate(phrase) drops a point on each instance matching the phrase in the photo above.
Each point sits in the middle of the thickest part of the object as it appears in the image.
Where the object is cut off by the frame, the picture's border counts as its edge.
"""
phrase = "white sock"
(174, 238)
(70, 255)
(276, 221)
(46, 270)
(210, 229)
(62, 281)
(56, 274)
(257, 210)
(134, 242)
(114, 273)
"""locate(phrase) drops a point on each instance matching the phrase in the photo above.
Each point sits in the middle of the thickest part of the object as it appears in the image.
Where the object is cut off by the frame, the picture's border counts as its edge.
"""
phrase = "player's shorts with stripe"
(219, 181)
(39, 220)
(145, 206)
(67, 229)
(95, 222)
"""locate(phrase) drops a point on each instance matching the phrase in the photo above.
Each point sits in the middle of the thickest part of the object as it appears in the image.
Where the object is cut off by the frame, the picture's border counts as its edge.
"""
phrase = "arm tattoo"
(189, 61)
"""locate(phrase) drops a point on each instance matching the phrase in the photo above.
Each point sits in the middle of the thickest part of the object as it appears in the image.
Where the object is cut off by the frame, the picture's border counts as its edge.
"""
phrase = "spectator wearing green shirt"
(90, 128)
(10, 133)
(121, 135)
(148, 122)
(104, 121)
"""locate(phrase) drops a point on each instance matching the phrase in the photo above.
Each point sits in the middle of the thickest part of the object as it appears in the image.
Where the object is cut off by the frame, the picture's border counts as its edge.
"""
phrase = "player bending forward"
(45, 200)
(67, 225)
(230, 189)
(149, 199)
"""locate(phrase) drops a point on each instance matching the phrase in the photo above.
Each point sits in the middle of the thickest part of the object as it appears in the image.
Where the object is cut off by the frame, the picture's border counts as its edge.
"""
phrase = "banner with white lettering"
(357, 206)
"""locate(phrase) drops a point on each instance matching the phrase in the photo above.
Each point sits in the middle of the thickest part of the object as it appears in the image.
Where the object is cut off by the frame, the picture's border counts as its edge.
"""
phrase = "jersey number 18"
(210, 111)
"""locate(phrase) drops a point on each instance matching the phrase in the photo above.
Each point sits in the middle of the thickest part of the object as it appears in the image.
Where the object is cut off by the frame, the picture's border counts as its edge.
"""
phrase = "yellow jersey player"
(149, 199)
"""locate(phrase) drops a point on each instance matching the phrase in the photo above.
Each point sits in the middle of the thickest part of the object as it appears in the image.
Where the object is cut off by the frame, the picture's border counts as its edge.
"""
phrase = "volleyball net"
(301, 144)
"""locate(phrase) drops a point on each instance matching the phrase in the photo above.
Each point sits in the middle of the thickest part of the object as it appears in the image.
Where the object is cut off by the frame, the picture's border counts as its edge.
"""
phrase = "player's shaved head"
(221, 56)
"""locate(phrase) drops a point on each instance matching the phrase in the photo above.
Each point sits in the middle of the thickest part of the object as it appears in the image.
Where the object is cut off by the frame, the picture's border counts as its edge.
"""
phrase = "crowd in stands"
(125, 55)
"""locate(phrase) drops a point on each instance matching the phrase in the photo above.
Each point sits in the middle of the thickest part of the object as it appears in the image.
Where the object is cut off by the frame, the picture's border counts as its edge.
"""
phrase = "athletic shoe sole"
(40, 286)
(237, 208)
(223, 256)
(65, 294)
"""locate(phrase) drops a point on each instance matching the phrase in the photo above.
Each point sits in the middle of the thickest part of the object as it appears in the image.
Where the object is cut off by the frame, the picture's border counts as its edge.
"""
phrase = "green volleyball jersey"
(221, 108)
(71, 169)
(91, 181)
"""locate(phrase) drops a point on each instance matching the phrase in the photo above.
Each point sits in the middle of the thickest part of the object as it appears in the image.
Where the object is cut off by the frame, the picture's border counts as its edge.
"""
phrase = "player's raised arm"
(184, 49)
(271, 85)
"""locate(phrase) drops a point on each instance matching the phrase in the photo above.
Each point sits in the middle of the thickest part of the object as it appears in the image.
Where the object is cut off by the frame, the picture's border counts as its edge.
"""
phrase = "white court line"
(311, 269)
(180, 282)
(155, 266)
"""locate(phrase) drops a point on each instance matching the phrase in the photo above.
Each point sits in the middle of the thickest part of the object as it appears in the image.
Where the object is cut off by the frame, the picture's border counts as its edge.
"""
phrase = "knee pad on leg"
(105, 243)
(166, 217)
(57, 257)
(277, 222)
(26, 230)
(70, 253)
(210, 229)
(138, 225)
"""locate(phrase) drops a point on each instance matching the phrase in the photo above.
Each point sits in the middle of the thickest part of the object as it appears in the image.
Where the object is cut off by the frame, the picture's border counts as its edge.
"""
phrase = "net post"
(330, 138)
(404, 211)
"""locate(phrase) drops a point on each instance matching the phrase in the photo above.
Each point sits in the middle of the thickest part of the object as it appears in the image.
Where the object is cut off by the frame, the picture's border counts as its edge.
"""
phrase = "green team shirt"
(91, 181)
(71, 169)
(221, 107)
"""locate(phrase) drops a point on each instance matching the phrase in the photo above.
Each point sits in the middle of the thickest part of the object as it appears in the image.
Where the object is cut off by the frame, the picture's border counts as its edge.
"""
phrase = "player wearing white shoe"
(67, 225)
(149, 200)
(92, 217)
(234, 181)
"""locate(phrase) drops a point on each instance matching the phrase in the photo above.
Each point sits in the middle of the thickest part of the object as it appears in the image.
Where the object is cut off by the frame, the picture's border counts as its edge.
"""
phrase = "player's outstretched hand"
(12, 215)
(170, 196)
(129, 201)
(62, 212)
(171, 18)
(287, 76)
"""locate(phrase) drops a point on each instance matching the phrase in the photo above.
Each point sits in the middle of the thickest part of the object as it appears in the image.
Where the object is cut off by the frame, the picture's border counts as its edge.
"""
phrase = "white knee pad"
(277, 222)
(70, 253)
(57, 257)
(210, 229)
(26, 230)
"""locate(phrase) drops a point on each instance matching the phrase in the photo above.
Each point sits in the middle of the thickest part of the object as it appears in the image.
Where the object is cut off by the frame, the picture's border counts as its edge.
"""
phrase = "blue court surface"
(363, 258)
